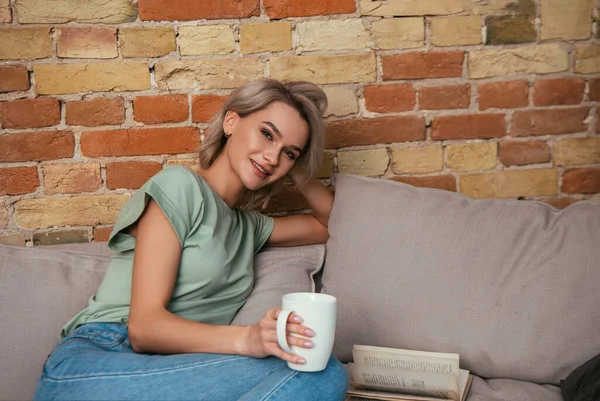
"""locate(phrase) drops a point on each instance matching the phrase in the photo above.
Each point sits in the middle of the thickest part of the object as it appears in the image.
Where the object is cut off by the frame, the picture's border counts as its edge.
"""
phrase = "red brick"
(581, 181)
(134, 142)
(368, 131)
(204, 107)
(390, 98)
(560, 203)
(130, 175)
(445, 97)
(520, 153)
(504, 95)
(30, 113)
(101, 234)
(594, 93)
(558, 91)
(445, 182)
(13, 78)
(96, 112)
(160, 109)
(469, 126)
(417, 65)
(549, 122)
(13, 239)
(277, 9)
(185, 10)
(18, 180)
(36, 146)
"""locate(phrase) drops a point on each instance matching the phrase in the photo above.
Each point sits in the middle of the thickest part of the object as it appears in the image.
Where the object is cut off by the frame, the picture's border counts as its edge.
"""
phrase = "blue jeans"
(96, 362)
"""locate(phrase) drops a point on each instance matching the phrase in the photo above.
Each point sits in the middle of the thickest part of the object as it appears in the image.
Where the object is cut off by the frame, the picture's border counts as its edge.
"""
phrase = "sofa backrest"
(512, 286)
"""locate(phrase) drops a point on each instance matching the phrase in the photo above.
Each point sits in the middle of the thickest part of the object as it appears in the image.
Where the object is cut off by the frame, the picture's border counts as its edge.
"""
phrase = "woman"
(158, 327)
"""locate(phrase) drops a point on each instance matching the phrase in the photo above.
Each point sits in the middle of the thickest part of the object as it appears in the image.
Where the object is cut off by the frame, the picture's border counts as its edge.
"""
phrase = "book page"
(401, 351)
(463, 380)
(413, 361)
(427, 384)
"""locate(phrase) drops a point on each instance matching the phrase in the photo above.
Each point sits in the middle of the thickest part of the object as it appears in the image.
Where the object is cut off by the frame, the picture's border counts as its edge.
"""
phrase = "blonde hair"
(305, 97)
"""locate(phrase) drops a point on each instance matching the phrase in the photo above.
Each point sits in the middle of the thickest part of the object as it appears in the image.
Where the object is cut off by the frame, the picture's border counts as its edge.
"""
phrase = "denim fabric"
(96, 362)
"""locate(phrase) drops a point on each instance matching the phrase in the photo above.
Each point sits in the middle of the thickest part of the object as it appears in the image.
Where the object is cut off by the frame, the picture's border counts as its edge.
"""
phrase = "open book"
(380, 373)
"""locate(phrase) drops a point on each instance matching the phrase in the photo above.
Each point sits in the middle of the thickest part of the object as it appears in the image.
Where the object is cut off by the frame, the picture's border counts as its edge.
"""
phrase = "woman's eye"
(290, 154)
(267, 135)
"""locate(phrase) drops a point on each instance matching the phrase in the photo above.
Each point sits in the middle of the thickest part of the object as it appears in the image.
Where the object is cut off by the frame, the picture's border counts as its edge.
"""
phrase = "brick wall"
(490, 98)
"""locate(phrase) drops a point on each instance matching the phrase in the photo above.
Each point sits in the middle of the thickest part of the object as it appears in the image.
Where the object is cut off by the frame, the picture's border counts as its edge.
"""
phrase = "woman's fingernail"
(301, 361)
(309, 332)
(297, 319)
(308, 344)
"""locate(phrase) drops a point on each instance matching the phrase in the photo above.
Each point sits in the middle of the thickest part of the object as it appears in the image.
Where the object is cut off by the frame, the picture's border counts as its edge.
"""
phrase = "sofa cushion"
(511, 286)
(511, 390)
(42, 288)
(278, 271)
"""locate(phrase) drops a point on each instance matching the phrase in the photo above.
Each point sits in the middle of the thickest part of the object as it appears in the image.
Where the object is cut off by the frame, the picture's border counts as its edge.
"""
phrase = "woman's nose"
(271, 155)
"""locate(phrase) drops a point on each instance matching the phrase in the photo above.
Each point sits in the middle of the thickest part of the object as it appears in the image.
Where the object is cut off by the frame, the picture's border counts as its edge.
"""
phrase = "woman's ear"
(230, 121)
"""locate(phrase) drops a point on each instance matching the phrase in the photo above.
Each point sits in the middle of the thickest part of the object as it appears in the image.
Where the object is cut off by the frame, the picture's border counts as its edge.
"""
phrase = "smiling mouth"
(260, 168)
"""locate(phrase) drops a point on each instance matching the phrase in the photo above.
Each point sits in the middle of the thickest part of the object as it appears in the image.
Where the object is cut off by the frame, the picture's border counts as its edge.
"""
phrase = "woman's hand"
(261, 338)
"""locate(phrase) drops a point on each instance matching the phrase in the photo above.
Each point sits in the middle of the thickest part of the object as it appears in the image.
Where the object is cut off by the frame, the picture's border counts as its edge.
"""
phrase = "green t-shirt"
(215, 275)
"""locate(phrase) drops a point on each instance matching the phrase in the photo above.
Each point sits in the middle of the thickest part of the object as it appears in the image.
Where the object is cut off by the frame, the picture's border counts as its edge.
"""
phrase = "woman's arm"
(152, 328)
(305, 229)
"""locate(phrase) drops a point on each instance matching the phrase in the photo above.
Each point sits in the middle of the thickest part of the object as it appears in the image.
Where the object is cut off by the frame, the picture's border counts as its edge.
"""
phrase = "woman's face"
(264, 145)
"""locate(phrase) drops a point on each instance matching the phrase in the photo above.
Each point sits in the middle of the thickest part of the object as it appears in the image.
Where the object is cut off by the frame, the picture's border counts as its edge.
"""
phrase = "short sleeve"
(176, 191)
(263, 227)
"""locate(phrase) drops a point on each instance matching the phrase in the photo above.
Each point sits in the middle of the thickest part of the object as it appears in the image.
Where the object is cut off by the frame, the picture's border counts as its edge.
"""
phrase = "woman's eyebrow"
(276, 130)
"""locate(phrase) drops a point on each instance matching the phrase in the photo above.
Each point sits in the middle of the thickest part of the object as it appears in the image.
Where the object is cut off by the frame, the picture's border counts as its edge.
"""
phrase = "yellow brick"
(192, 164)
(456, 31)
(330, 69)
(328, 166)
(75, 211)
(86, 42)
(341, 101)
(207, 74)
(3, 218)
(587, 59)
(95, 77)
(63, 11)
(147, 42)
(472, 156)
(541, 59)
(25, 43)
(71, 178)
(417, 160)
(209, 39)
(567, 20)
(402, 8)
(510, 184)
(349, 34)
(12, 239)
(5, 14)
(265, 37)
(370, 162)
(576, 151)
(398, 33)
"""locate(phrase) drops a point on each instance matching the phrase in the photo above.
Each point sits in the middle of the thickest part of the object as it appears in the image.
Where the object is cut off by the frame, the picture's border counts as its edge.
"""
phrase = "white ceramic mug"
(318, 312)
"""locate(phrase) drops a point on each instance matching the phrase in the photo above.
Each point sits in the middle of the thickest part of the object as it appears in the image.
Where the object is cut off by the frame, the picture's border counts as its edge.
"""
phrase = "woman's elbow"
(137, 335)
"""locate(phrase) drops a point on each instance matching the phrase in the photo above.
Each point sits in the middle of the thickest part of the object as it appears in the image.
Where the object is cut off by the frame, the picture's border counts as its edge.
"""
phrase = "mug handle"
(282, 332)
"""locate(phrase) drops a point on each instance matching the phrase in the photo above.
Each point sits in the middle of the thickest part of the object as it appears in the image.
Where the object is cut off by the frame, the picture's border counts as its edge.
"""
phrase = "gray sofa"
(512, 286)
